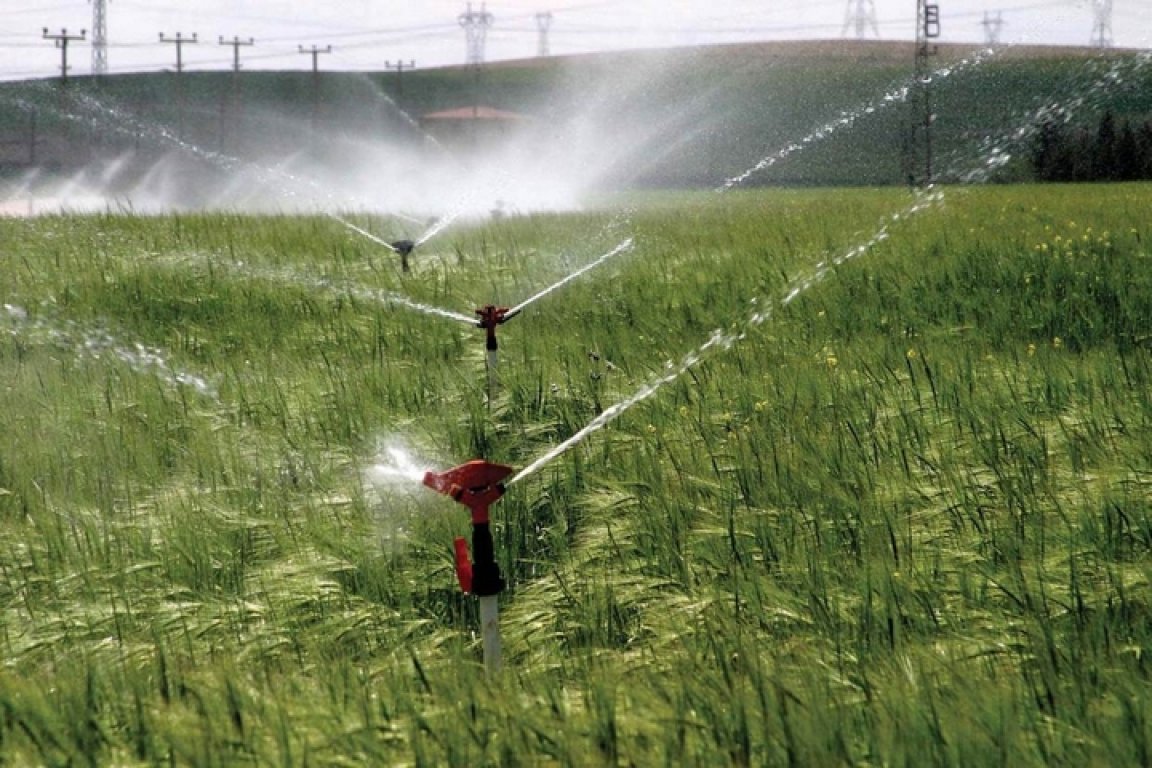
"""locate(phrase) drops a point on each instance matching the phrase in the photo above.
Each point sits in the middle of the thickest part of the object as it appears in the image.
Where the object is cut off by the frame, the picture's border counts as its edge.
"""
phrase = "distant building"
(472, 126)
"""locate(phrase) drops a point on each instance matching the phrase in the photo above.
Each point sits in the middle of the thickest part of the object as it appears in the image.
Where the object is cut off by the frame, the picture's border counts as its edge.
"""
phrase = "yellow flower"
(1057, 342)
(831, 361)
(651, 429)
(910, 354)
(1031, 350)
(760, 406)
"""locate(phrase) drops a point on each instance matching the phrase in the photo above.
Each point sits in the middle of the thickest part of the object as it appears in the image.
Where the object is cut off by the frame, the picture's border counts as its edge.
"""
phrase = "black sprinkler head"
(403, 247)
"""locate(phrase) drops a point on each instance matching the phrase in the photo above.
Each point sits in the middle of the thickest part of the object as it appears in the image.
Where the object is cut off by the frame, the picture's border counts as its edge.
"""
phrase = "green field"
(903, 519)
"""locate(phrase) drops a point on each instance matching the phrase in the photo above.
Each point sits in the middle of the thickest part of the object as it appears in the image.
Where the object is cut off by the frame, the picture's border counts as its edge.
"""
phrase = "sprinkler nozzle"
(492, 316)
(404, 248)
(476, 485)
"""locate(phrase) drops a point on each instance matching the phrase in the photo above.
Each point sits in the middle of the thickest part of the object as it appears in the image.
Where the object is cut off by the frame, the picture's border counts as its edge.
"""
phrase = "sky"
(374, 35)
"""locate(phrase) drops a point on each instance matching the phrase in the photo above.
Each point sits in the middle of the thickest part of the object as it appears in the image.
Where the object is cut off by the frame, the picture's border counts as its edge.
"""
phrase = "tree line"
(1116, 150)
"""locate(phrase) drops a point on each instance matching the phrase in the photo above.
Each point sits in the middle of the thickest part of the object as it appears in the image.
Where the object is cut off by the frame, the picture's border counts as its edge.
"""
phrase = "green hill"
(683, 117)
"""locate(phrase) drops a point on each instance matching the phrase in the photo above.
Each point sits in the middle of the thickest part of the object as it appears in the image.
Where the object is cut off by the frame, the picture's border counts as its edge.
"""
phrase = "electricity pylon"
(1102, 23)
(99, 38)
(475, 24)
(861, 16)
(543, 23)
(992, 26)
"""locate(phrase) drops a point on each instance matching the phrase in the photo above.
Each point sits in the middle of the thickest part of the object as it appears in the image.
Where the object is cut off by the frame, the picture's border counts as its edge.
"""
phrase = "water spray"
(721, 339)
(624, 245)
(478, 484)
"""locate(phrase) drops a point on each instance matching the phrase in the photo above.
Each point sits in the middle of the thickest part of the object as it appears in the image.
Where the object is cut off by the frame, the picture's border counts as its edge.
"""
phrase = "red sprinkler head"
(492, 316)
(477, 485)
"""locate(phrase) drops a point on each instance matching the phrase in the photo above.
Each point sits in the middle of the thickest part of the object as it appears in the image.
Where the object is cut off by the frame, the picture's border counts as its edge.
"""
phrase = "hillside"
(681, 117)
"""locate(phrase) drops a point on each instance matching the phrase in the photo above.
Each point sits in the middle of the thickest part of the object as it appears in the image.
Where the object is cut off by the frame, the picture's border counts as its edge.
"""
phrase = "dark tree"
(1129, 163)
(1104, 150)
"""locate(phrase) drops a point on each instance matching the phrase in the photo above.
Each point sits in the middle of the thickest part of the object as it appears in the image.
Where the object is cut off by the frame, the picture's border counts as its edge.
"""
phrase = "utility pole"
(232, 104)
(62, 41)
(927, 31)
(236, 44)
(543, 24)
(315, 51)
(475, 24)
(861, 15)
(399, 68)
(992, 27)
(1102, 23)
(179, 41)
(99, 38)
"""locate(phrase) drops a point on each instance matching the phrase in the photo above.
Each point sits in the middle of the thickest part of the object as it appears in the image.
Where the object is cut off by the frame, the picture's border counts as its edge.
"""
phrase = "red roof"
(474, 113)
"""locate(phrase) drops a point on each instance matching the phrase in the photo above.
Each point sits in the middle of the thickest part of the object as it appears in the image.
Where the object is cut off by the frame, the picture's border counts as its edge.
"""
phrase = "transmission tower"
(543, 23)
(861, 15)
(1102, 23)
(992, 26)
(920, 145)
(475, 24)
(99, 37)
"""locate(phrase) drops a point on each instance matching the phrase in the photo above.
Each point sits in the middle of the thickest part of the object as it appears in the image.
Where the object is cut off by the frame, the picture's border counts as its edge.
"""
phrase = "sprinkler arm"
(492, 316)
(477, 485)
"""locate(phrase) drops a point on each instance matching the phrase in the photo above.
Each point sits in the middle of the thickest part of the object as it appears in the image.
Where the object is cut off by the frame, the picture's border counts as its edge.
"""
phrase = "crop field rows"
(905, 518)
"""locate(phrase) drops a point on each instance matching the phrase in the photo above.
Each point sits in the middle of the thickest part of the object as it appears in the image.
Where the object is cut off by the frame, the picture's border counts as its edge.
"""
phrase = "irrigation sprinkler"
(404, 248)
(490, 317)
(477, 485)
